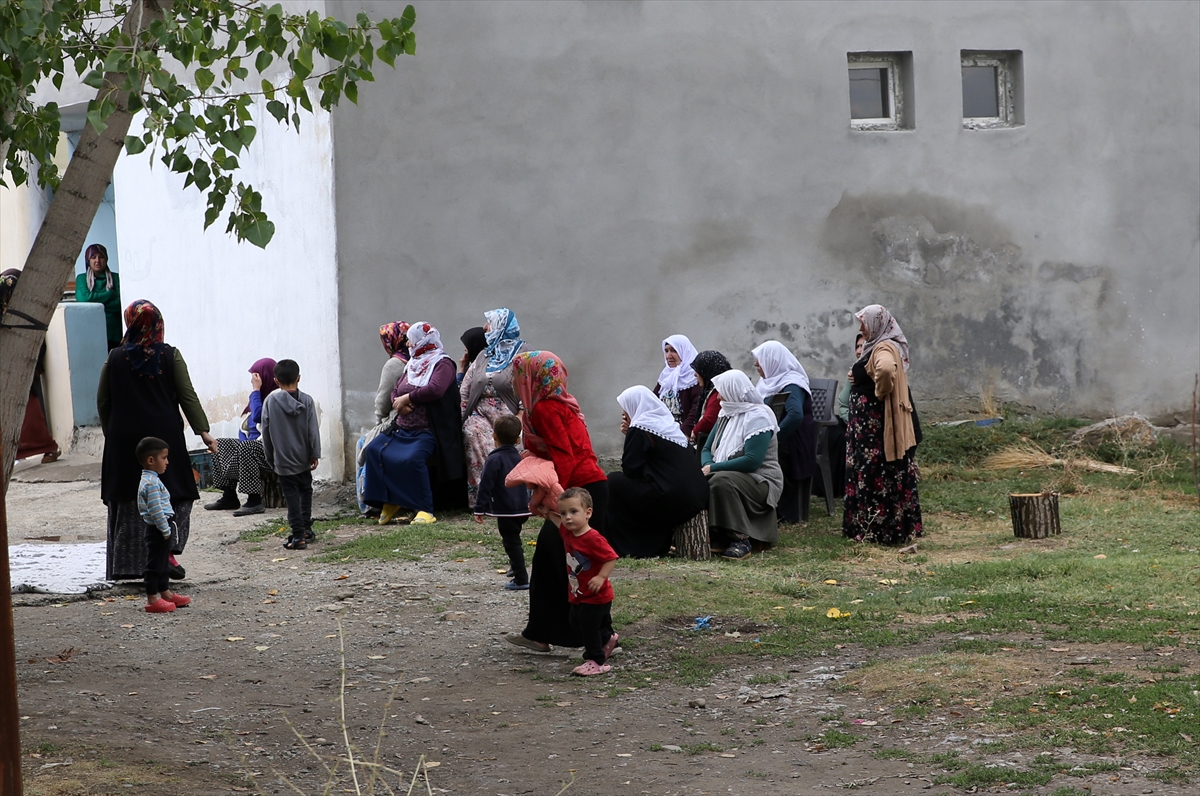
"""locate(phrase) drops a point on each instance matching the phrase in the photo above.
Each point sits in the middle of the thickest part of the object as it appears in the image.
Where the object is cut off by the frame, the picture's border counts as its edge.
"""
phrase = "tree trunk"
(691, 538)
(1035, 516)
(51, 261)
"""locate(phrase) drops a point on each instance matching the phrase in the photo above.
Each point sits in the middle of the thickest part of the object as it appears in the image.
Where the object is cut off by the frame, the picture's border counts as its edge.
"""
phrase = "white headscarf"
(747, 414)
(780, 368)
(680, 377)
(426, 344)
(650, 414)
(881, 326)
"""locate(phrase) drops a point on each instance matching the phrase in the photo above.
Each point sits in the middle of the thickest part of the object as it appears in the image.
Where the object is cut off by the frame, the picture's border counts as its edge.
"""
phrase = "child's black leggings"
(158, 551)
(510, 535)
(593, 623)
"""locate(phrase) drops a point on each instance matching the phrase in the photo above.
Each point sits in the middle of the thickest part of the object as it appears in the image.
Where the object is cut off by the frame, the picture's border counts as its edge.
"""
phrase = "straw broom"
(1028, 456)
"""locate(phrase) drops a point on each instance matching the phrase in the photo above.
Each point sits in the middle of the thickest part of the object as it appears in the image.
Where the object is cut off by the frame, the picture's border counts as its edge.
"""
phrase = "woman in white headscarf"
(882, 433)
(784, 387)
(741, 459)
(396, 477)
(678, 387)
(660, 484)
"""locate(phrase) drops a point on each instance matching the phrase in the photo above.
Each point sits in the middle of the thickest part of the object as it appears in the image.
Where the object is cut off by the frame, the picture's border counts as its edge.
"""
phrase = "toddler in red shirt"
(590, 561)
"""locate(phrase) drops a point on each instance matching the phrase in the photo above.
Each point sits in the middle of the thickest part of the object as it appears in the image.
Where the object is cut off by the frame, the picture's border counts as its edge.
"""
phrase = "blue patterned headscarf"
(503, 339)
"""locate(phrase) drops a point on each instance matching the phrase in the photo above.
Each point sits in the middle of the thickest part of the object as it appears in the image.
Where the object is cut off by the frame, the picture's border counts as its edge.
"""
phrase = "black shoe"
(248, 509)
(176, 572)
(295, 544)
(737, 551)
(223, 503)
(309, 537)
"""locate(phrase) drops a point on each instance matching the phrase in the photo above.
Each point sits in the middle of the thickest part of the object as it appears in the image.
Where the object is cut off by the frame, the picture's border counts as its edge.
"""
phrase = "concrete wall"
(619, 171)
(227, 304)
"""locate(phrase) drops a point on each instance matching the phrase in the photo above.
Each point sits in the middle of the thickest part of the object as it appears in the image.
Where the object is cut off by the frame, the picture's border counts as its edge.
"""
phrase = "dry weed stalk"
(987, 400)
(1030, 456)
(376, 769)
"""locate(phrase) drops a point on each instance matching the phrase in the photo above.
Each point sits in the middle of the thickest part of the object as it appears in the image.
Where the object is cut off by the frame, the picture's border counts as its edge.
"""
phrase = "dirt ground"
(212, 699)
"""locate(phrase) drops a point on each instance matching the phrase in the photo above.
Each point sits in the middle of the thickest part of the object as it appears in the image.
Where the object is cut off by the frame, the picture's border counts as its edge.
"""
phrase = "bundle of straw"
(1029, 456)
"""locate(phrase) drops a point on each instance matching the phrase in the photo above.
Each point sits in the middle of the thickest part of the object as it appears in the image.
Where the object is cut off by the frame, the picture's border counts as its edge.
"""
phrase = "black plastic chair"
(824, 395)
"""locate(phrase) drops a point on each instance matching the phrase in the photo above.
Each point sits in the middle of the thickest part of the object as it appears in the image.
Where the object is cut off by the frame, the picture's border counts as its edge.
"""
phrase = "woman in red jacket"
(554, 429)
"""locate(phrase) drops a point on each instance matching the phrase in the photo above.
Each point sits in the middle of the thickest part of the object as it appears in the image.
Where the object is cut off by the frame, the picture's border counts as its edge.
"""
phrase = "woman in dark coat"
(660, 484)
(143, 386)
(554, 429)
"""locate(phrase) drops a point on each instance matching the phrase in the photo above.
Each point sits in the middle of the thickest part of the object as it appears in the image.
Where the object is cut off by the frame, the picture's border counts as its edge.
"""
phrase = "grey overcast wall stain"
(975, 311)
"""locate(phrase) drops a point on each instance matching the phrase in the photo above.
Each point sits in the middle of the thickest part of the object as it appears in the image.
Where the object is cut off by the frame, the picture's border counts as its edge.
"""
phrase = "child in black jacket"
(508, 504)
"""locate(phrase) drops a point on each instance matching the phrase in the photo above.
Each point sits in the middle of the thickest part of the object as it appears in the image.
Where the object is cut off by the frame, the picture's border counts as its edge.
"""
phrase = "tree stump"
(272, 495)
(691, 538)
(1035, 516)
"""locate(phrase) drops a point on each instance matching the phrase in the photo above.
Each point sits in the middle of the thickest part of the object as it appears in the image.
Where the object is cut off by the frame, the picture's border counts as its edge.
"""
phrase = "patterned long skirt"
(477, 438)
(239, 462)
(126, 558)
(881, 502)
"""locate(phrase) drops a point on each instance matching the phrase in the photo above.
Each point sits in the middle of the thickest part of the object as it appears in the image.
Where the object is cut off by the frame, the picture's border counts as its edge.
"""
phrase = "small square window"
(991, 89)
(880, 98)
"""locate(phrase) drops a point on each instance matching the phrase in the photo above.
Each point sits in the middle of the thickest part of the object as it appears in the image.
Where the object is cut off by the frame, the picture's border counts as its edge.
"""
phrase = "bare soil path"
(212, 699)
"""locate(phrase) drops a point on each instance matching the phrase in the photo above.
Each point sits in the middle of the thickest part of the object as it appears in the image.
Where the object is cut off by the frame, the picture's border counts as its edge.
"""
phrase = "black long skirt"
(549, 611)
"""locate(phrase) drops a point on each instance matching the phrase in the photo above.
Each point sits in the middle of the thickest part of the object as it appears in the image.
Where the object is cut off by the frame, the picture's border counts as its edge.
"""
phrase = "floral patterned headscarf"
(540, 376)
(881, 326)
(503, 338)
(143, 340)
(426, 343)
(394, 337)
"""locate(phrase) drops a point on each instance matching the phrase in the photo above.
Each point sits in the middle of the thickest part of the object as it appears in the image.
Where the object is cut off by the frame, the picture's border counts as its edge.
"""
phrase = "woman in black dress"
(660, 484)
(143, 385)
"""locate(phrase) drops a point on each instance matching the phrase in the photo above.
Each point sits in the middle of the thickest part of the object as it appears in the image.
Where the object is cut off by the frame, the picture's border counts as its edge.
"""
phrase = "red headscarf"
(540, 376)
(143, 340)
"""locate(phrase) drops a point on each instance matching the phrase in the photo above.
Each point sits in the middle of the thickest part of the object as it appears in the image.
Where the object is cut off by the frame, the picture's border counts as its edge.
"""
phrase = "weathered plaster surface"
(227, 304)
(618, 171)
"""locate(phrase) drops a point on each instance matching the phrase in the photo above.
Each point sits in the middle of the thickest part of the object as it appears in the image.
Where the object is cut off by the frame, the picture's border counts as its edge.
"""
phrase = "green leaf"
(352, 91)
(180, 162)
(201, 174)
(410, 43)
(263, 61)
(204, 79)
(246, 135)
(268, 89)
(278, 110)
(134, 145)
(96, 120)
(184, 124)
(408, 18)
(259, 232)
(95, 79)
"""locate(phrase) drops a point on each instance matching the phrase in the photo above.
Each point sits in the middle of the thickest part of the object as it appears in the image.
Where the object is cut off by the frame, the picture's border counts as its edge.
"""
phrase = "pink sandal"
(588, 668)
(610, 645)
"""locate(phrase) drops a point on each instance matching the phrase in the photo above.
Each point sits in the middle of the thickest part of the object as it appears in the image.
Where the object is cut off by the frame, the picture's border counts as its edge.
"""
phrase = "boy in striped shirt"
(154, 504)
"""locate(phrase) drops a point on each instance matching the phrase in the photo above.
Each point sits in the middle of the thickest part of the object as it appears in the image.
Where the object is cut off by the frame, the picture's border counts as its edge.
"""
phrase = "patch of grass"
(893, 754)
(701, 748)
(976, 775)
(321, 526)
(1069, 792)
(453, 536)
(766, 679)
(834, 739)
(693, 669)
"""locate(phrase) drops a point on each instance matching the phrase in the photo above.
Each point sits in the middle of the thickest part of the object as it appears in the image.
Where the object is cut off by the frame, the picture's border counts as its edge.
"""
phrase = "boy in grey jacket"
(292, 441)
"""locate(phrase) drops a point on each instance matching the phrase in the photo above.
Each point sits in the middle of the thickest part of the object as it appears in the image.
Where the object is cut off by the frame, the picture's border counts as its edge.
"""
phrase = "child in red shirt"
(590, 561)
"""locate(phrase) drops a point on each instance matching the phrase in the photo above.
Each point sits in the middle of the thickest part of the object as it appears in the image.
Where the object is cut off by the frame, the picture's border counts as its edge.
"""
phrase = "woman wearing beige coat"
(882, 434)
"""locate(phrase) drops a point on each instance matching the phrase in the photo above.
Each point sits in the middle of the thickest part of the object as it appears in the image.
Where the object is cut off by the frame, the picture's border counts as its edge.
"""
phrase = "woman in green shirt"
(99, 284)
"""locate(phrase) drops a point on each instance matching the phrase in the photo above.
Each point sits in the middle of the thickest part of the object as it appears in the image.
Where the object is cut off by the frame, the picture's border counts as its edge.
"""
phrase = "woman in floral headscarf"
(487, 391)
(239, 462)
(554, 429)
(143, 386)
(394, 337)
(397, 478)
(882, 434)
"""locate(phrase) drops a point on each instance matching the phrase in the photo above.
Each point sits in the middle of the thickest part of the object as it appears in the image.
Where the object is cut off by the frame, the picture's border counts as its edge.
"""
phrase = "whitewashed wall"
(227, 304)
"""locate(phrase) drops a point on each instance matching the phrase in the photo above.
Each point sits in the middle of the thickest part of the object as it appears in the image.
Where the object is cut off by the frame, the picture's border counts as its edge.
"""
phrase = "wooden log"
(691, 538)
(272, 495)
(1035, 516)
